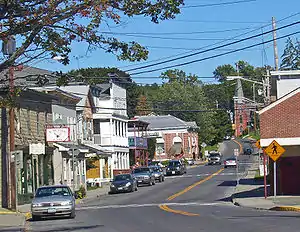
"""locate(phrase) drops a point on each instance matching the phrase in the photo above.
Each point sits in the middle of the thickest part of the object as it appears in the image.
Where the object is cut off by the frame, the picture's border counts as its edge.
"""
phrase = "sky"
(195, 29)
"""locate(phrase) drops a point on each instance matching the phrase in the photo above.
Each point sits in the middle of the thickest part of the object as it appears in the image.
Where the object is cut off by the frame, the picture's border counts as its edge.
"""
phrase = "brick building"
(174, 137)
(280, 121)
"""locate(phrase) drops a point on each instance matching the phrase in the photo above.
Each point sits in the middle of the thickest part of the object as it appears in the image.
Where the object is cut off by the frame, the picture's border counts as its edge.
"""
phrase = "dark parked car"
(158, 173)
(176, 167)
(123, 183)
(144, 175)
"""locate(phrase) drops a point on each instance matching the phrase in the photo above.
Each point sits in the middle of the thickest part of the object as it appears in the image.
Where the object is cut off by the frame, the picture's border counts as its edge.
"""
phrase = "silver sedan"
(53, 201)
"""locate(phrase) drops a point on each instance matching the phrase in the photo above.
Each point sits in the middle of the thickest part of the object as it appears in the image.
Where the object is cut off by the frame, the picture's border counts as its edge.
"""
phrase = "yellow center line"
(241, 146)
(193, 185)
(166, 208)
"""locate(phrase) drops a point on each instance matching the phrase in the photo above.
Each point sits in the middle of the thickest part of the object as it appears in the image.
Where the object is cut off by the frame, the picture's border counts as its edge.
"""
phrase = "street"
(197, 201)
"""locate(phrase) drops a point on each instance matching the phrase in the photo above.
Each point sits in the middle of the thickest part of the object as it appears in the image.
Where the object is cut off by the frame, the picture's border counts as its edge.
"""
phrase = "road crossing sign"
(257, 144)
(274, 150)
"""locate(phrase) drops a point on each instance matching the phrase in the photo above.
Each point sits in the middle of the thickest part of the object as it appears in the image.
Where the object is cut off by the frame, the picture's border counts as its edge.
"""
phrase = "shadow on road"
(70, 228)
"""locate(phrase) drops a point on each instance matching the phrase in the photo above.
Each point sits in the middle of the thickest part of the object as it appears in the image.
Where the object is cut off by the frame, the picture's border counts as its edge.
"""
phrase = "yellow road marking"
(193, 185)
(166, 208)
(241, 146)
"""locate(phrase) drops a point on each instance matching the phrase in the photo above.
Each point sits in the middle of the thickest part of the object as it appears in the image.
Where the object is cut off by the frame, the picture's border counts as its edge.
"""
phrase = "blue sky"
(235, 19)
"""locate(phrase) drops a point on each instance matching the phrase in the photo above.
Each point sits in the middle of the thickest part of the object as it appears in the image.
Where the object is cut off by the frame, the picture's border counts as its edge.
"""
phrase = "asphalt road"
(197, 201)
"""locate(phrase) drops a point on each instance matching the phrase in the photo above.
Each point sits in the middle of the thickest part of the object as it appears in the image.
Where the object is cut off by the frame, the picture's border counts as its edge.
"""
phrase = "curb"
(286, 208)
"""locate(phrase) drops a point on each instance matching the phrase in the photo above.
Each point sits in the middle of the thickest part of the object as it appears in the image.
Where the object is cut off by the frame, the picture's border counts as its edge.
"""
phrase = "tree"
(289, 55)
(143, 108)
(48, 28)
(176, 75)
(221, 72)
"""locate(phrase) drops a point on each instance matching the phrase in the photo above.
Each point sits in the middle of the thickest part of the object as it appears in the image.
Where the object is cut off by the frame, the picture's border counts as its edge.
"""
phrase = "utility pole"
(275, 44)
(9, 48)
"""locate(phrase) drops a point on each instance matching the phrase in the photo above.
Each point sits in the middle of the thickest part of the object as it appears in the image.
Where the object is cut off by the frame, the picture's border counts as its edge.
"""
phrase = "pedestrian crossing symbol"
(274, 150)
(257, 144)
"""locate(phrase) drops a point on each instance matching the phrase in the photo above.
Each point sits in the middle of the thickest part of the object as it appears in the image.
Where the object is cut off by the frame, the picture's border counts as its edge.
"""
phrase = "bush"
(81, 193)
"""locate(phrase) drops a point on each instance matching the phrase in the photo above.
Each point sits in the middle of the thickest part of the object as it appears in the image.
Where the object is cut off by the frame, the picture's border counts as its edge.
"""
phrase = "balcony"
(110, 140)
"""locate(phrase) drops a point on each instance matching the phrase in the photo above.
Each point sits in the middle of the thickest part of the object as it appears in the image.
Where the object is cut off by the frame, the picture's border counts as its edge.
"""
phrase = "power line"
(213, 48)
(176, 33)
(218, 55)
(218, 4)
(207, 46)
(193, 49)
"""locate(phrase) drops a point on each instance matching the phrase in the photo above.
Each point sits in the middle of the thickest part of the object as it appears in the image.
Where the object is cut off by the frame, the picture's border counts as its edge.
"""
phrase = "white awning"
(282, 141)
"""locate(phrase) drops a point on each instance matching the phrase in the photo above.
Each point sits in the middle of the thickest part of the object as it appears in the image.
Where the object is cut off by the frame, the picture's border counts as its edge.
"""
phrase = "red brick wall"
(184, 136)
(241, 109)
(282, 121)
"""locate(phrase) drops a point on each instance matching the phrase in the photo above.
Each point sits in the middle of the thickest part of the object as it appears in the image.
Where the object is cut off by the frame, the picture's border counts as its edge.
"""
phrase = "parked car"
(214, 158)
(191, 161)
(144, 175)
(53, 201)
(158, 173)
(123, 183)
(230, 162)
(175, 167)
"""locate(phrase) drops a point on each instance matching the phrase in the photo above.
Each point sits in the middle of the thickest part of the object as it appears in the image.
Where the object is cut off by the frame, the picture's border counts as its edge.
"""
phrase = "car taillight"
(224, 162)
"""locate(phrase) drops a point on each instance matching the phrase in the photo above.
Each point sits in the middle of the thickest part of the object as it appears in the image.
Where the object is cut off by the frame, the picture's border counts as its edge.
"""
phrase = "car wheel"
(73, 215)
(160, 179)
(150, 183)
(225, 166)
(153, 182)
(136, 188)
(35, 218)
(163, 179)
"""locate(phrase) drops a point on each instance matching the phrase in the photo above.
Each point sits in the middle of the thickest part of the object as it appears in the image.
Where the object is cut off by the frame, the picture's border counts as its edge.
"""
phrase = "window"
(119, 124)
(97, 127)
(28, 121)
(116, 127)
(37, 123)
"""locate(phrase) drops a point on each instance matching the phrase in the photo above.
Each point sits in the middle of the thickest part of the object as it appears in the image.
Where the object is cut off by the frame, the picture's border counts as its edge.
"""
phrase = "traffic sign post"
(274, 151)
(236, 154)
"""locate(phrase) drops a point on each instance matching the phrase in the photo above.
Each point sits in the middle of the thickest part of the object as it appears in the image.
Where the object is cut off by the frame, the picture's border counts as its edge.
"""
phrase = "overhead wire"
(207, 46)
(214, 56)
(213, 48)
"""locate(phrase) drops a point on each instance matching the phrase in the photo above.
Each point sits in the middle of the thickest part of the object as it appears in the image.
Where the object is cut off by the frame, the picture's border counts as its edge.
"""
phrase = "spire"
(239, 94)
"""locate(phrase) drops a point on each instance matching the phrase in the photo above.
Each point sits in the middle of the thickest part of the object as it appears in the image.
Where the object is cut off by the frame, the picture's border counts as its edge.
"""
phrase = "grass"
(92, 188)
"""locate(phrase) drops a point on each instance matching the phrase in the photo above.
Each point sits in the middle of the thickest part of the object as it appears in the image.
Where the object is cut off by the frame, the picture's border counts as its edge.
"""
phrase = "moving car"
(230, 162)
(144, 175)
(176, 167)
(53, 201)
(214, 158)
(158, 173)
(123, 183)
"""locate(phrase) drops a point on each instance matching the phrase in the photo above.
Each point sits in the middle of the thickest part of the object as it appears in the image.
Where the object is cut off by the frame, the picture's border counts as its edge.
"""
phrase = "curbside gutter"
(286, 208)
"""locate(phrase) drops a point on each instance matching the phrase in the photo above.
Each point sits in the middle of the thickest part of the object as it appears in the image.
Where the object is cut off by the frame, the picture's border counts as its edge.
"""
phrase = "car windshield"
(214, 154)
(176, 163)
(140, 170)
(155, 169)
(232, 158)
(122, 177)
(53, 191)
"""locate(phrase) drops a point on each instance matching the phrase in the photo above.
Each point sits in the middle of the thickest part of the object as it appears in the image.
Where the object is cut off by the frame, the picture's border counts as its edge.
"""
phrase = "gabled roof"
(280, 100)
(166, 122)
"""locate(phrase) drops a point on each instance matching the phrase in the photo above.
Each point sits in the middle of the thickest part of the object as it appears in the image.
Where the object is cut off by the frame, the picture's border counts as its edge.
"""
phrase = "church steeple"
(239, 94)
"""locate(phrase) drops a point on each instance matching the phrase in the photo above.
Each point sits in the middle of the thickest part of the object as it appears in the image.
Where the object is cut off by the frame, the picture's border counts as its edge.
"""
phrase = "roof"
(157, 122)
(27, 76)
(81, 91)
(280, 100)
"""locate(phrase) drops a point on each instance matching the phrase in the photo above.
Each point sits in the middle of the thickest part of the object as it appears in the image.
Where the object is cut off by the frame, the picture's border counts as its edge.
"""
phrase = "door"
(289, 175)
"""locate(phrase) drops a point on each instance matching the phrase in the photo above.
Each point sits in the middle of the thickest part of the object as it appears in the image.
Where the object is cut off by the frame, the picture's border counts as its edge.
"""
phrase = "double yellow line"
(166, 208)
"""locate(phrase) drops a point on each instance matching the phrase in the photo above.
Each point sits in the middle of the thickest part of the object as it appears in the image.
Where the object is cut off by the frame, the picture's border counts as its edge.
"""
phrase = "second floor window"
(28, 121)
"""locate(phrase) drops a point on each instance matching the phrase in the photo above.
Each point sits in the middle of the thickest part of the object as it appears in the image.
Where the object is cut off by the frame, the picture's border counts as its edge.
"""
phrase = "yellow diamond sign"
(274, 150)
(257, 144)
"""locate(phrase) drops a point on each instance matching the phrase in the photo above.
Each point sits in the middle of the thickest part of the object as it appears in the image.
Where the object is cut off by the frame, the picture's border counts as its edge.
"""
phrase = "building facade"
(175, 138)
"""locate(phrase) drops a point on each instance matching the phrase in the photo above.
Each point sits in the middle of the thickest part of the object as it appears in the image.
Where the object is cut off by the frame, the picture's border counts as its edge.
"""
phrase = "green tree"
(222, 71)
(49, 27)
(176, 75)
(289, 55)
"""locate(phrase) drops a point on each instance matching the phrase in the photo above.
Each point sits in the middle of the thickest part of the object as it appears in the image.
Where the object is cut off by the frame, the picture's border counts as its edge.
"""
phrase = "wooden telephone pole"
(275, 44)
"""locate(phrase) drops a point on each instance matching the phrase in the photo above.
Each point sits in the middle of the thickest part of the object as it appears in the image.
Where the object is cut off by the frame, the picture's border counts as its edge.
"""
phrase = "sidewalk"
(250, 193)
